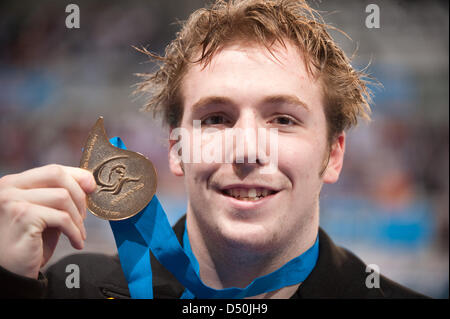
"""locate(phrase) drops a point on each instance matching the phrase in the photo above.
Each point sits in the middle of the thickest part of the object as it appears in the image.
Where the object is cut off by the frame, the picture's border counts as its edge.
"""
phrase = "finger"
(83, 177)
(57, 198)
(44, 177)
(53, 218)
(86, 181)
(52, 176)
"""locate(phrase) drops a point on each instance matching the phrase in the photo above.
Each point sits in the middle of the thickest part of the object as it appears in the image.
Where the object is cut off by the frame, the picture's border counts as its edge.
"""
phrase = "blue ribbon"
(150, 230)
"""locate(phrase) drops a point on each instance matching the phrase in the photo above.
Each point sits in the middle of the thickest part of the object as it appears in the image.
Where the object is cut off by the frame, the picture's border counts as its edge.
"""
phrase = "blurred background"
(391, 205)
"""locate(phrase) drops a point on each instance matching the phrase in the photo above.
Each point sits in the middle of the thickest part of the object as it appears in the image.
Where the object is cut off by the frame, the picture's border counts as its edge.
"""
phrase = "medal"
(126, 180)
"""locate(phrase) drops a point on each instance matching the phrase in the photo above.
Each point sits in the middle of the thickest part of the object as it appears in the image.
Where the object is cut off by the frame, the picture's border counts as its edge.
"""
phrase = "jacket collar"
(338, 274)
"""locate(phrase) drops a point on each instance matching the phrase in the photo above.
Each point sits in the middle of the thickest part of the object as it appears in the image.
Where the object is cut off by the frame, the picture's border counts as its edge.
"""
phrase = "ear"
(334, 167)
(175, 162)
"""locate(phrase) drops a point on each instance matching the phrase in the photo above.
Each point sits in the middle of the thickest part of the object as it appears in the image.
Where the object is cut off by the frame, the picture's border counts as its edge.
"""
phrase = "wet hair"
(346, 94)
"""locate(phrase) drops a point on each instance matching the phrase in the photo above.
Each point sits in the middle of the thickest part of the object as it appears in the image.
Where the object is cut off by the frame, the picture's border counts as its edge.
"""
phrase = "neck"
(223, 265)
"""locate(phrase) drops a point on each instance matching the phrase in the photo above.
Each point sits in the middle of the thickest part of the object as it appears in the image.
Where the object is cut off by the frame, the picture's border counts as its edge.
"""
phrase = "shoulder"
(101, 276)
(394, 290)
(87, 275)
(341, 274)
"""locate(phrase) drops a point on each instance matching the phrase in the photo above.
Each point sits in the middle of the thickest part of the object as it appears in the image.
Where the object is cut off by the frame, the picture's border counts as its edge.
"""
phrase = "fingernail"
(89, 184)
(92, 184)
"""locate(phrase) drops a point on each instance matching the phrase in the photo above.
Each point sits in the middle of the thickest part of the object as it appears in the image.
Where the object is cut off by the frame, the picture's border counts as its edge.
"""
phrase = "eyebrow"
(272, 99)
(211, 100)
(286, 99)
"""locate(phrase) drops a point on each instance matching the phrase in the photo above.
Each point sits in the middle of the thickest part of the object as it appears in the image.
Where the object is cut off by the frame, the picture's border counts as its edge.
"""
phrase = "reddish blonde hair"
(346, 94)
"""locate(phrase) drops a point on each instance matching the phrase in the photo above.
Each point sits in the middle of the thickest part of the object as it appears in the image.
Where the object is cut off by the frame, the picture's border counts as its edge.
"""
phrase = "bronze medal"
(126, 180)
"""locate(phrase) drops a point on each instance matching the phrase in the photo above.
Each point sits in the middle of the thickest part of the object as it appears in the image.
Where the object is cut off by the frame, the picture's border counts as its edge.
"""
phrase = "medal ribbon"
(150, 230)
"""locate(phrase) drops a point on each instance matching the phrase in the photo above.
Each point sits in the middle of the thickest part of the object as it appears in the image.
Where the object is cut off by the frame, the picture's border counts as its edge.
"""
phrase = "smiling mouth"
(248, 194)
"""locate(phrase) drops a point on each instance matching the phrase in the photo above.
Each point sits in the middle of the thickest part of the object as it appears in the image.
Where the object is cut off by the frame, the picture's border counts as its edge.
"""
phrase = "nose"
(242, 144)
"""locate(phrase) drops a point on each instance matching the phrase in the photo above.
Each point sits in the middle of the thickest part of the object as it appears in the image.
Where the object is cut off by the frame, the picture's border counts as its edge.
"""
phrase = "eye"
(215, 119)
(284, 120)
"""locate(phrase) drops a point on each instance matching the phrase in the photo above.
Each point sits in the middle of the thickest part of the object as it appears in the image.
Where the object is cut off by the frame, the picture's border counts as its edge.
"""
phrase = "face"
(245, 87)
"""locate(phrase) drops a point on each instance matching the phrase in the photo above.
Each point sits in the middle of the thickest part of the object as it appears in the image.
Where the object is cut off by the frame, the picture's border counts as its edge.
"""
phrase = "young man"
(243, 65)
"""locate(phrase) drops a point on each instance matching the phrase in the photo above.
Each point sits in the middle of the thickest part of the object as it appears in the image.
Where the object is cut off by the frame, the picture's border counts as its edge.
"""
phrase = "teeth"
(247, 194)
(252, 193)
(234, 193)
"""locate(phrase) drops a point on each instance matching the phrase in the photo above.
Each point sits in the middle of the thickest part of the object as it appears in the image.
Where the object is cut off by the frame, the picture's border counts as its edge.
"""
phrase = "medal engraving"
(126, 180)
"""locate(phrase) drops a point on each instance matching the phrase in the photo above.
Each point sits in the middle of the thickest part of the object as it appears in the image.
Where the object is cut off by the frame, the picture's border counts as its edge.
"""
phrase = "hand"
(35, 207)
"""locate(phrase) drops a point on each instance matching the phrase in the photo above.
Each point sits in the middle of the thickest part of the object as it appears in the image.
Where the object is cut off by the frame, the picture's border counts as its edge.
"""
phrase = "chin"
(244, 235)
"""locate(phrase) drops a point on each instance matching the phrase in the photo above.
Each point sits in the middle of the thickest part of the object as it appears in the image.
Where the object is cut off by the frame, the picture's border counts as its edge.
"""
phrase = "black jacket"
(337, 274)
